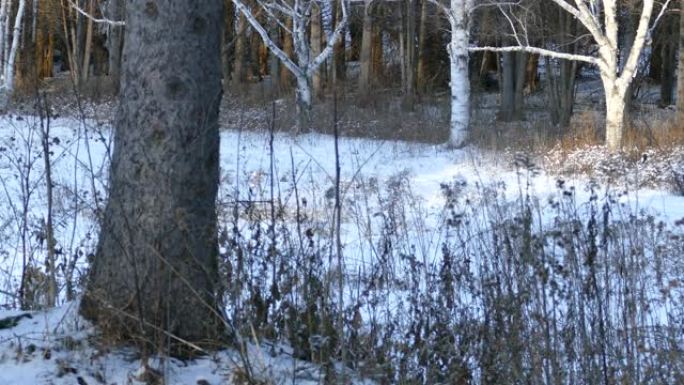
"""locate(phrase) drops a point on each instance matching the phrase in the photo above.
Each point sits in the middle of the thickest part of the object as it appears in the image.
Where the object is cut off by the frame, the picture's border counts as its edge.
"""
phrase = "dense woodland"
(470, 280)
(397, 48)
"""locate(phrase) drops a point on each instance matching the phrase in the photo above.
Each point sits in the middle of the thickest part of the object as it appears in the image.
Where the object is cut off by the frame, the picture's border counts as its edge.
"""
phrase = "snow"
(52, 348)
(79, 160)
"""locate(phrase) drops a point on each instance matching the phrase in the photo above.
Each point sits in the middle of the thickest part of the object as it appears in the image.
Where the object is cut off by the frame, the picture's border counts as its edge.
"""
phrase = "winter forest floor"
(547, 256)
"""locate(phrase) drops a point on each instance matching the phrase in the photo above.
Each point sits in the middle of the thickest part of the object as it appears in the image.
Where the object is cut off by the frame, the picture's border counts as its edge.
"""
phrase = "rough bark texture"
(155, 268)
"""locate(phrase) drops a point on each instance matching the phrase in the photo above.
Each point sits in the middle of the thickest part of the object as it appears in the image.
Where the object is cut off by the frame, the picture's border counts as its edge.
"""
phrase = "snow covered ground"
(52, 347)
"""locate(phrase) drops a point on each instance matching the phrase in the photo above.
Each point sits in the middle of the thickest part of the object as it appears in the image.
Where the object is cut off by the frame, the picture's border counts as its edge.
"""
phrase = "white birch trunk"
(616, 80)
(3, 35)
(6, 43)
(459, 80)
(615, 116)
(16, 34)
(304, 99)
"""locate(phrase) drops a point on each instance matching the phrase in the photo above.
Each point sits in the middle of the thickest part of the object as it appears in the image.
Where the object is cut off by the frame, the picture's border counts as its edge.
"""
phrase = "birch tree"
(305, 64)
(10, 47)
(601, 19)
(458, 14)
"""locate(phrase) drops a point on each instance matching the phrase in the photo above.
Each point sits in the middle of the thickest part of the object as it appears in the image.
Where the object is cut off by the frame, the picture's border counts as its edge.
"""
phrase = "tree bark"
(680, 66)
(616, 105)
(561, 88)
(288, 48)
(88, 43)
(154, 275)
(513, 79)
(422, 71)
(366, 46)
(410, 63)
(14, 47)
(459, 13)
(228, 41)
(668, 55)
(339, 62)
(115, 11)
(316, 46)
(238, 76)
(377, 53)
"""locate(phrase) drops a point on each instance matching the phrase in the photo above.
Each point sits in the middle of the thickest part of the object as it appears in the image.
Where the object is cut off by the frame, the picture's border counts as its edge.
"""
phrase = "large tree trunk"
(155, 269)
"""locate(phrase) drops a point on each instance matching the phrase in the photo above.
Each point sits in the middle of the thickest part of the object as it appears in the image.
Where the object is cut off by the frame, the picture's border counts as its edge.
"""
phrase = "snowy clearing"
(53, 347)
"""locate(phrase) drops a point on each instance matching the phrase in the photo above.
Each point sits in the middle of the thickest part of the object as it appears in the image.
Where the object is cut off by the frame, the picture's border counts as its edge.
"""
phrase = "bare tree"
(304, 64)
(601, 19)
(154, 274)
(10, 47)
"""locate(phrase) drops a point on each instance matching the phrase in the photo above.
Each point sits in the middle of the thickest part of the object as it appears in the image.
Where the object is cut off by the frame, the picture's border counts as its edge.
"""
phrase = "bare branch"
(540, 51)
(325, 53)
(114, 23)
(273, 47)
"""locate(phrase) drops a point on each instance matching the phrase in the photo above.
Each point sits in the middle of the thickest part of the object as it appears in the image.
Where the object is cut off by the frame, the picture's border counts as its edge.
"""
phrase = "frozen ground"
(52, 347)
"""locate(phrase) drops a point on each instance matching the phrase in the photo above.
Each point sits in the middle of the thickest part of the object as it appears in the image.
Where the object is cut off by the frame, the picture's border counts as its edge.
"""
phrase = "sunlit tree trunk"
(458, 15)
(10, 65)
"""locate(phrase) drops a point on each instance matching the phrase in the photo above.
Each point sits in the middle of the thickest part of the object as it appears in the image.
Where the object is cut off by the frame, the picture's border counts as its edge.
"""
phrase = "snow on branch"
(114, 23)
(327, 51)
(272, 46)
(539, 51)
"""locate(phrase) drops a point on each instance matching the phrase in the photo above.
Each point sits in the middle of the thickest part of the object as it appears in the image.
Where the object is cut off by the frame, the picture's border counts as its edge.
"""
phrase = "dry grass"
(384, 115)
